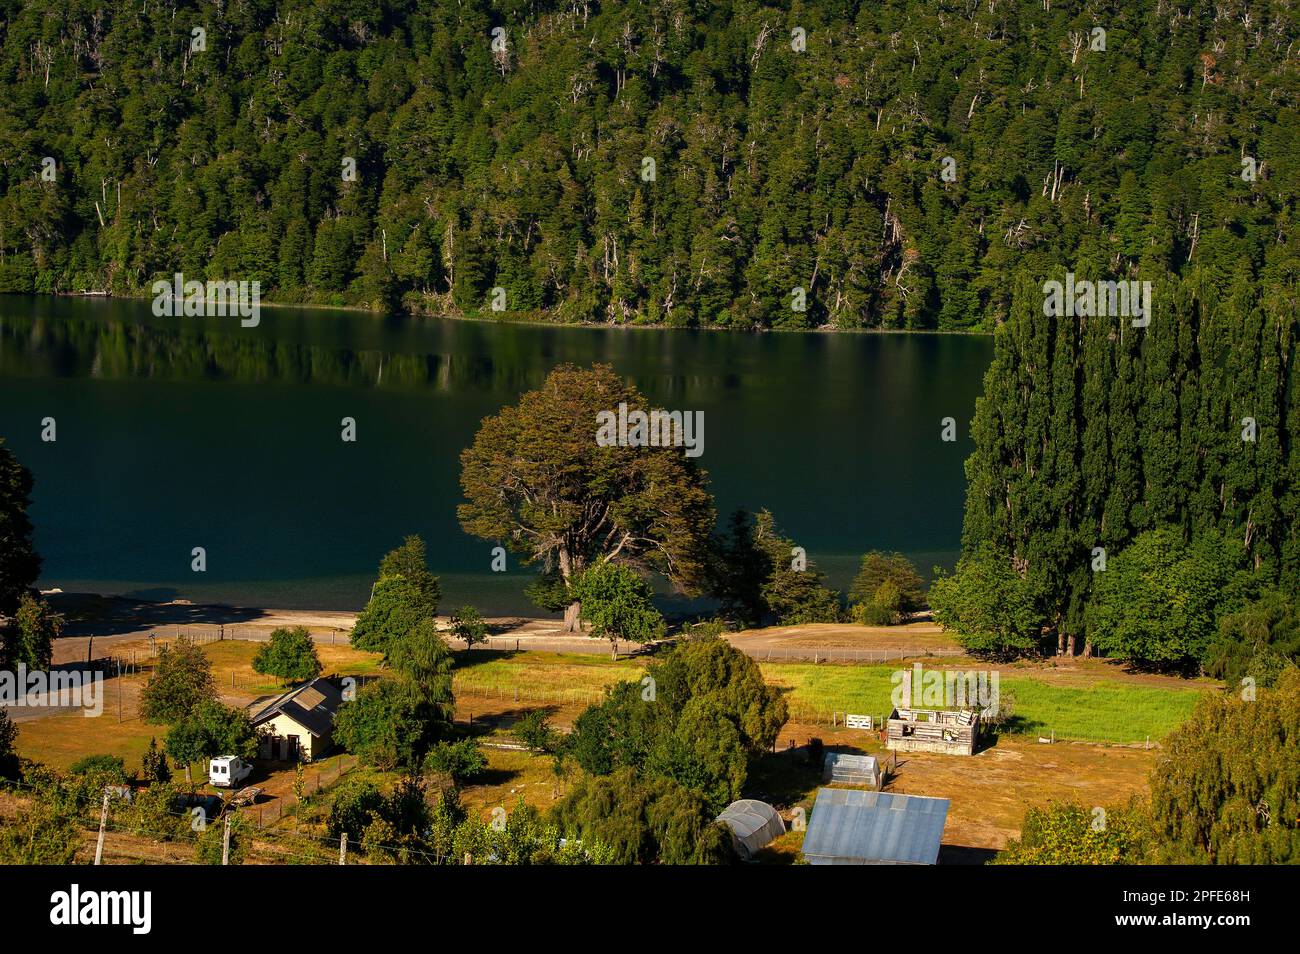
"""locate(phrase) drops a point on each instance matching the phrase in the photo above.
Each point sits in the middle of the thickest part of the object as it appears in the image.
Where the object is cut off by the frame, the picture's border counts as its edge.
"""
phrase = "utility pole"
(225, 842)
(103, 822)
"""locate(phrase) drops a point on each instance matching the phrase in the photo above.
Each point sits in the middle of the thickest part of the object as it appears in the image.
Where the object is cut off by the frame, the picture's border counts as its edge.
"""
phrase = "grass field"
(1096, 707)
(1093, 702)
(1101, 710)
(1097, 704)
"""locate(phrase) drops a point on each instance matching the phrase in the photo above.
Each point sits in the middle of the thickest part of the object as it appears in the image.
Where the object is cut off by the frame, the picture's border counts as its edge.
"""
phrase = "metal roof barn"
(753, 824)
(853, 827)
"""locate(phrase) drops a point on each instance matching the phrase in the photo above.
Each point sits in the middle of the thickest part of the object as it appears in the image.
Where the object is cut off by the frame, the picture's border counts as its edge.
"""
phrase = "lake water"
(175, 433)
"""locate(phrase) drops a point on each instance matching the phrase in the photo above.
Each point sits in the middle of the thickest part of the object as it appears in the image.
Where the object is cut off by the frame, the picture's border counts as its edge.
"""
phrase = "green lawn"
(1103, 711)
(1107, 710)
(545, 677)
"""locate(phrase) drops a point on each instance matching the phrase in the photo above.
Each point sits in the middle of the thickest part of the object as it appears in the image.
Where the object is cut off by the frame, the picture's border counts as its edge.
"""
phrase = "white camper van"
(226, 771)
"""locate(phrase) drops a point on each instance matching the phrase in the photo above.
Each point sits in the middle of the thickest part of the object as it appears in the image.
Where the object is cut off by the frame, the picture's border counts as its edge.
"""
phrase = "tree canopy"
(181, 680)
(536, 479)
(698, 717)
(671, 162)
(1226, 790)
(19, 564)
(290, 654)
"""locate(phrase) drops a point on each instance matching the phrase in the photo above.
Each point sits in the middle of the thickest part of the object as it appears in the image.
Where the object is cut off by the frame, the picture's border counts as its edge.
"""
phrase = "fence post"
(343, 848)
(103, 822)
(225, 842)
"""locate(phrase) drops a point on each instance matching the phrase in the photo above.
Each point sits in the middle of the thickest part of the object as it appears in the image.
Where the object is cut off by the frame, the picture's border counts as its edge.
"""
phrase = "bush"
(816, 753)
(208, 846)
(1072, 835)
(153, 764)
(356, 804)
(153, 811)
(108, 767)
(44, 831)
(467, 624)
(461, 761)
(888, 587)
(9, 764)
(534, 730)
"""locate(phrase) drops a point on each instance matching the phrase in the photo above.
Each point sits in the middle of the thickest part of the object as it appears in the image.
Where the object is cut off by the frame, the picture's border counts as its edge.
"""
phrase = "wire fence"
(313, 782)
(116, 835)
(821, 655)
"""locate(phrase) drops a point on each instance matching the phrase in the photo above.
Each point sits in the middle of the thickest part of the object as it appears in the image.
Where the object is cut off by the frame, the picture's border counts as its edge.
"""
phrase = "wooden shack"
(951, 731)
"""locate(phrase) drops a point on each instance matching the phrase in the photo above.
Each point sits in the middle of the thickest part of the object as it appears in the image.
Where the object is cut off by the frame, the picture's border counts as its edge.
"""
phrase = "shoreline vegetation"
(541, 320)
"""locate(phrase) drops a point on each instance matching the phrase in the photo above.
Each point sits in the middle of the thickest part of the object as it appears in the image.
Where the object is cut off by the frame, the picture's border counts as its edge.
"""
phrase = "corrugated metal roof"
(853, 827)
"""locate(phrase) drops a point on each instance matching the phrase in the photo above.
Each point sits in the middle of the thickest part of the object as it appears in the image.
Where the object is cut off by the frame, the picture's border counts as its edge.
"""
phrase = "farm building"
(753, 825)
(853, 827)
(952, 731)
(299, 725)
(851, 769)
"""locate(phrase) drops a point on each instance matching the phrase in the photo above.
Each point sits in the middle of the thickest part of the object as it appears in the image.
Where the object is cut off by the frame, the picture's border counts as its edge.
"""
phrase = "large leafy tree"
(394, 722)
(756, 575)
(536, 479)
(889, 585)
(644, 821)
(290, 654)
(30, 637)
(19, 564)
(616, 604)
(1260, 641)
(181, 680)
(1159, 601)
(405, 595)
(410, 561)
(988, 606)
(395, 609)
(1226, 790)
(390, 724)
(699, 717)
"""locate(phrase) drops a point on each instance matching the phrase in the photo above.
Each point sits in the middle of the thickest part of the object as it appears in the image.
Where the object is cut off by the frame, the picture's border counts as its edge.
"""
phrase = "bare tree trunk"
(1087, 648)
(572, 624)
(1070, 645)
(1060, 642)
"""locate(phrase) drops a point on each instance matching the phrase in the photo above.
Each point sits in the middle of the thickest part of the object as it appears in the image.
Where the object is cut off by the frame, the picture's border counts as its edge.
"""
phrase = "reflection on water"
(183, 432)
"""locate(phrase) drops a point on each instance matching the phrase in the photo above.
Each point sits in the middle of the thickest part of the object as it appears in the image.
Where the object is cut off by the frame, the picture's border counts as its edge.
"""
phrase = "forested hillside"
(673, 162)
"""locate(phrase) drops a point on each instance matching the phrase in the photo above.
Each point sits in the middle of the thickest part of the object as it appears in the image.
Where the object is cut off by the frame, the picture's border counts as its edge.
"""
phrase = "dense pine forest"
(735, 164)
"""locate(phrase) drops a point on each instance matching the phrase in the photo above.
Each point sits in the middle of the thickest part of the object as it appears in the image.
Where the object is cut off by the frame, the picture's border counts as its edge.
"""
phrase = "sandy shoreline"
(96, 624)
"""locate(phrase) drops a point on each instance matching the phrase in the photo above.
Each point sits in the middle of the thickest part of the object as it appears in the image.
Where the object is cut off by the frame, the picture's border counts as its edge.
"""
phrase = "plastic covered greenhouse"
(753, 824)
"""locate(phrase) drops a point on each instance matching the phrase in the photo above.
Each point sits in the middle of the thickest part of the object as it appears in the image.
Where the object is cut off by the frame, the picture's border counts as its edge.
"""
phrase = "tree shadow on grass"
(783, 778)
(469, 658)
(487, 723)
(965, 855)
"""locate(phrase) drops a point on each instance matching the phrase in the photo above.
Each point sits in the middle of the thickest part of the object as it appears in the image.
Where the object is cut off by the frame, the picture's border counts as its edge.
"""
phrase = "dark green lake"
(182, 432)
